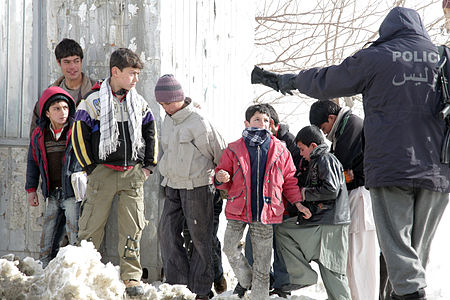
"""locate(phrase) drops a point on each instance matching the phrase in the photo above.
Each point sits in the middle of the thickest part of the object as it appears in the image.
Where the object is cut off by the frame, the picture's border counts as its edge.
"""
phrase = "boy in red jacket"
(255, 171)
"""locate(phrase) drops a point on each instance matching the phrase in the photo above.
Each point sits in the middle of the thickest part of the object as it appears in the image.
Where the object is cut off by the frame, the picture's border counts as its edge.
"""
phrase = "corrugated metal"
(17, 84)
(195, 40)
(208, 46)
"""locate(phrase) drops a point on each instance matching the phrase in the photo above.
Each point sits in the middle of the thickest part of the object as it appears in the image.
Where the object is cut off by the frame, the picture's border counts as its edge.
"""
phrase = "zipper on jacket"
(124, 135)
(257, 182)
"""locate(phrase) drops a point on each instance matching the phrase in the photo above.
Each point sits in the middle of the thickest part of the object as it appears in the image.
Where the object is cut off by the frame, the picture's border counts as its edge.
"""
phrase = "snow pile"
(75, 273)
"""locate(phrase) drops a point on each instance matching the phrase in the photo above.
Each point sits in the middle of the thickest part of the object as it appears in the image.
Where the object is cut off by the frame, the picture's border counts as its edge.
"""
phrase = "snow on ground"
(78, 273)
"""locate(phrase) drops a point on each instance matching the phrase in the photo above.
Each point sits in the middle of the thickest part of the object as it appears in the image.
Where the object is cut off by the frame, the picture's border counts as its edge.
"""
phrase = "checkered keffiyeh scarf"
(109, 129)
(255, 136)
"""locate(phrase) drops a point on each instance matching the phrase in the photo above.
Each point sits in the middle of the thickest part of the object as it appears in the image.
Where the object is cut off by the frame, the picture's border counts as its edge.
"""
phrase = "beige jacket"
(191, 148)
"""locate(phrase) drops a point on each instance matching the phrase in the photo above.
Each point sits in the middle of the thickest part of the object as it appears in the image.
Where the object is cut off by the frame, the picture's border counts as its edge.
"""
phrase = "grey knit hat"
(168, 89)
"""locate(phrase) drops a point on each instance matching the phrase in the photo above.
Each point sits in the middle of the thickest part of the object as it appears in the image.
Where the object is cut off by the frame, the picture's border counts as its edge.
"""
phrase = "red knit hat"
(168, 89)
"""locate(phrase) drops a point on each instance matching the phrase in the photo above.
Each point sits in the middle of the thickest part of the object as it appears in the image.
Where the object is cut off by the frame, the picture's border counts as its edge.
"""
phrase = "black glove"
(280, 83)
(286, 83)
(267, 78)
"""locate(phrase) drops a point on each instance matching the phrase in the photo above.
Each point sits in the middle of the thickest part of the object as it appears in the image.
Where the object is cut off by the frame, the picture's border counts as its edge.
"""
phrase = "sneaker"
(220, 285)
(280, 293)
(133, 288)
(239, 290)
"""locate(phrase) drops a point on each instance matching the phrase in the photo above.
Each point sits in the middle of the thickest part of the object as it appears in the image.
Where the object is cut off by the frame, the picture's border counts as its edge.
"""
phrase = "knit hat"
(168, 89)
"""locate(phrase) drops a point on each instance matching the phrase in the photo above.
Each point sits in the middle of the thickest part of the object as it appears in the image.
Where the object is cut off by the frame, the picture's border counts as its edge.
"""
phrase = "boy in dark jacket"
(51, 158)
(114, 138)
(255, 171)
(324, 237)
(344, 130)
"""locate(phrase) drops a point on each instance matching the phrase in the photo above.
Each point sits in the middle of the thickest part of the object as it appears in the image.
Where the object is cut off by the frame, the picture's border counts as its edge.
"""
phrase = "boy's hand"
(349, 176)
(33, 199)
(304, 210)
(222, 176)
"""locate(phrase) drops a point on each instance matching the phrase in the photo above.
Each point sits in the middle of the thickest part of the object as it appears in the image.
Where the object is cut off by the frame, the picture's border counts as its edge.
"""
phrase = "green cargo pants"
(103, 184)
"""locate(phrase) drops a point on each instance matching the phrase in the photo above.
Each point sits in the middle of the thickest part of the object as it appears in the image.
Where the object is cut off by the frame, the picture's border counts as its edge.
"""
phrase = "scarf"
(255, 136)
(332, 135)
(109, 129)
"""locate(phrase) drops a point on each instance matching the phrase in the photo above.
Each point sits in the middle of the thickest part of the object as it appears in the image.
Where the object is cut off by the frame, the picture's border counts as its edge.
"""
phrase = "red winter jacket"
(278, 179)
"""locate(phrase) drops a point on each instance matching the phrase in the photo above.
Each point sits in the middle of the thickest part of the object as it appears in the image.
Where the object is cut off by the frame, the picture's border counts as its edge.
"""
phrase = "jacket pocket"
(183, 162)
(276, 204)
(235, 203)
(140, 210)
(272, 210)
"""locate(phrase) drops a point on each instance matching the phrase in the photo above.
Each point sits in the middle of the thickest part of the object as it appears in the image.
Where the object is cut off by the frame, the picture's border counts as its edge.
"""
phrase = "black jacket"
(347, 147)
(396, 77)
(284, 135)
(86, 136)
(325, 193)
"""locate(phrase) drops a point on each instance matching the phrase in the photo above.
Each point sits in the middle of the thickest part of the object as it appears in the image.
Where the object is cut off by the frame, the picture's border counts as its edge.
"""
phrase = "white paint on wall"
(112, 34)
(142, 56)
(82, 12)
(83, 43)
(132, 46)
(132, 10)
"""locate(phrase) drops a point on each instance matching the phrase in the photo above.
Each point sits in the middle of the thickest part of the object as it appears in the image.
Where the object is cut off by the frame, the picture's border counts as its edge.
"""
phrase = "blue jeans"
(56, 208)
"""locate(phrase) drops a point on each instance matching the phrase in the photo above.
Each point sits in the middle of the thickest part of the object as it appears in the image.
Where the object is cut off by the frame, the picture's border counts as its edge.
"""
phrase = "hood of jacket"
(401, 22)
(47, 95)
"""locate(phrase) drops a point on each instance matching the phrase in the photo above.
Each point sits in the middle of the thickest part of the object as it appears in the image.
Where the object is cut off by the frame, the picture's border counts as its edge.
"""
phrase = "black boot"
(239, 290)
(280, 293)
(419, 295)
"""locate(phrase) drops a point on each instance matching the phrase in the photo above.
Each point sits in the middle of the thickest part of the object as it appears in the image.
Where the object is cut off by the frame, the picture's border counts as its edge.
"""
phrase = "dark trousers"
(217, 247)
(196, 209)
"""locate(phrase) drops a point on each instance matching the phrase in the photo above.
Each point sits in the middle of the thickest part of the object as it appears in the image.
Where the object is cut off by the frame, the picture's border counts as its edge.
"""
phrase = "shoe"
(220, 285)
(210, 295)
(133, 288)
(292, 287)
(279, 292)
(239, 290)
(271, 281)
(419, 295)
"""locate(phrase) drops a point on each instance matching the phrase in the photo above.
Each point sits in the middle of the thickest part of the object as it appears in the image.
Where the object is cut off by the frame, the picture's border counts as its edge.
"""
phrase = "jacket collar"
(282, 130)
(318, 151)
(183, 113)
